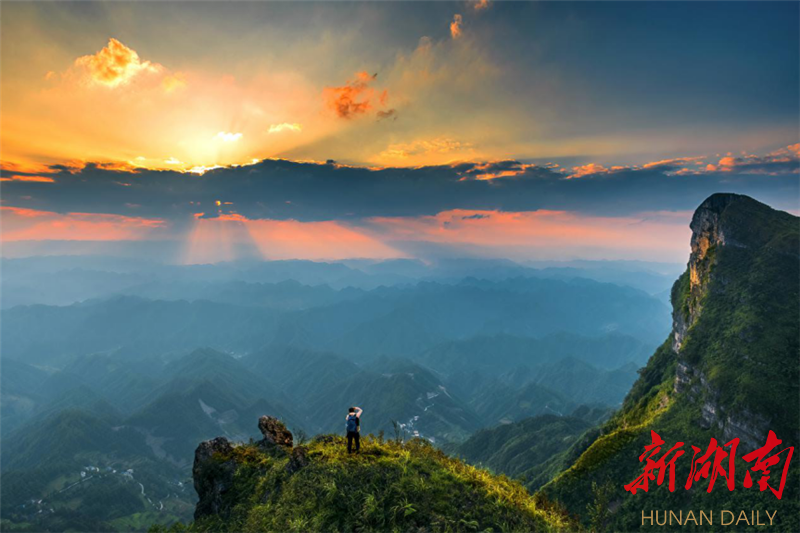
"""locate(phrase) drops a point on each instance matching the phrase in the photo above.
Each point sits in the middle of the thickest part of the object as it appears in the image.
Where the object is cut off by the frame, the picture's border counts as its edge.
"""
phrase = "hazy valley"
(128, 365)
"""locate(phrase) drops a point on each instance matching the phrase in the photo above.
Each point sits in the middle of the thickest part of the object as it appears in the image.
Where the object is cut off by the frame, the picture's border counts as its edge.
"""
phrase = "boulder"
(275, 432)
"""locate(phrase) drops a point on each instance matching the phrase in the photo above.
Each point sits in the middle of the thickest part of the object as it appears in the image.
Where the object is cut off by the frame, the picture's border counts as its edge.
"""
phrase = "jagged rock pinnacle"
(275, 432)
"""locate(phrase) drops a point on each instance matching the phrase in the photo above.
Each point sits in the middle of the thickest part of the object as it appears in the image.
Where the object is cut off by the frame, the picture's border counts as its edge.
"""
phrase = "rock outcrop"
(275, 432)
(213, 475)
(215, 465)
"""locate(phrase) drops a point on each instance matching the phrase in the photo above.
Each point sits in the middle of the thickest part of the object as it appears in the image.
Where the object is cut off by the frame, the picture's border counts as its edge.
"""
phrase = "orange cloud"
(500, 174)
(671, 162)
(218, 239)
(21, 224)
(776, 162)
(115, 65)
(455, 26)
(24, 212)
(727, 163)
(36, 179)
(355, 98)
(481, 5)
(497, 175)
(535, 234)
(585, 170)
(29, 168)
(423, 147)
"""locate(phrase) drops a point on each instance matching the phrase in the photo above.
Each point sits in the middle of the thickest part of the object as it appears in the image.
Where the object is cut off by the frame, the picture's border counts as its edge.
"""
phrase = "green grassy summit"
(388, 486)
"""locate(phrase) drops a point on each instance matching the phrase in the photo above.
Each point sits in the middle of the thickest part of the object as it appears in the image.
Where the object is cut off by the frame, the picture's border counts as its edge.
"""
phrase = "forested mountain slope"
(728, 370)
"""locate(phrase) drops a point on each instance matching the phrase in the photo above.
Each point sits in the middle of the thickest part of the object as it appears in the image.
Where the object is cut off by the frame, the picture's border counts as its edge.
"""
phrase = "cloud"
(20, 224)
(439, 145)
(228, 137)
(782, 161)
(674, 162)
(497, 169)
(530, 234)
(285, 126)
(29, 178)
(480, 5)
(149, 111)
(281, 239)
(357, 97)
(444, 92)
(388, 114)
(455, 26)
(586, 170)
(776, 163)
(275, 189)
(729, 173)
(115, 65)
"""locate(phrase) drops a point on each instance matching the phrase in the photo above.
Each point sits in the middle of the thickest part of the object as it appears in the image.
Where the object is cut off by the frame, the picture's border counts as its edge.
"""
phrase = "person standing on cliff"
(353, 426)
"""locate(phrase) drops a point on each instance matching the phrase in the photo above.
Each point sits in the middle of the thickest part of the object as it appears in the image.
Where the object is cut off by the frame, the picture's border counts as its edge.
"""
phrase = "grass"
(389, 486)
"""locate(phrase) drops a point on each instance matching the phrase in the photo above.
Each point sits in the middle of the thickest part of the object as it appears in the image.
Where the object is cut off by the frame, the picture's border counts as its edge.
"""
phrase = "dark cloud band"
(279, 189)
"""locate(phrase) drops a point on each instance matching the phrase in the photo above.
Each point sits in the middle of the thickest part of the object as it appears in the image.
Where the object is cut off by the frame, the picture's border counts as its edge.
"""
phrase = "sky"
(333, 130)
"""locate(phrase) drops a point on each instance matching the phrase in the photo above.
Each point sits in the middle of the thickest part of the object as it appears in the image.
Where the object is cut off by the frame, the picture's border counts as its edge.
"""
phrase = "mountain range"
(724, 372)
(554, 380)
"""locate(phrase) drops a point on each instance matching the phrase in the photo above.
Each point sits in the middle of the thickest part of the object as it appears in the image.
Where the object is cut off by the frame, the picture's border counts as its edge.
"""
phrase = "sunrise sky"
(332, 130)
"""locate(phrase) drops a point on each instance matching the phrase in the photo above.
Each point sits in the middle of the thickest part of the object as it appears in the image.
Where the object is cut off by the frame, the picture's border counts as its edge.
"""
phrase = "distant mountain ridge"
(66, 279)
(393, 321)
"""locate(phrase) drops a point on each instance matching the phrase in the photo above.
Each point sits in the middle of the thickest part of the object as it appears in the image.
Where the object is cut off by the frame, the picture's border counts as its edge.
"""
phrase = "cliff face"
(712, 227)
(707, 234)
(730, 366)
(710, 231)
(722, 223)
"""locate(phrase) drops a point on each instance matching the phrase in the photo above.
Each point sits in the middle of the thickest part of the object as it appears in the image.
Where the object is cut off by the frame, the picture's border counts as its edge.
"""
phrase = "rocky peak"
(716, 222)
(723, 219)
(708, 232)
